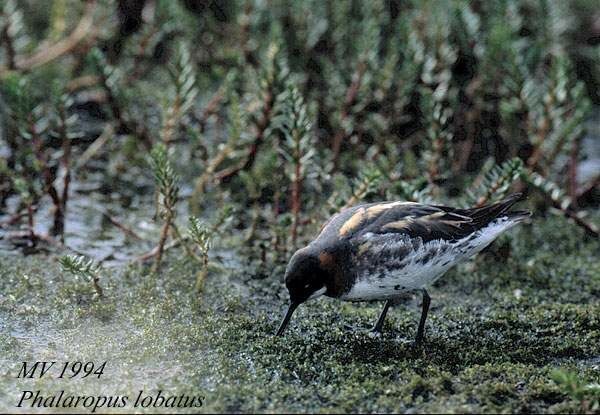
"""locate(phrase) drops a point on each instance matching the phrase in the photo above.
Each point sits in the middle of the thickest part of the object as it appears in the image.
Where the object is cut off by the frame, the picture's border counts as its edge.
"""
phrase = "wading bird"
(378, 251)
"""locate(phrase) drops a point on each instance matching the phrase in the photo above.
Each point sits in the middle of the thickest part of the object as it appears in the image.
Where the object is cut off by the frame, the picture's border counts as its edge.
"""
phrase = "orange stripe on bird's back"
(433, 216)
(352, 223)
(400, 224)
(374, 211)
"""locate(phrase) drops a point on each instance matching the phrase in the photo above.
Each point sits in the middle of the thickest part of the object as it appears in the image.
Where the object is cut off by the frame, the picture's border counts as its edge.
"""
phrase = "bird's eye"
(307, 285)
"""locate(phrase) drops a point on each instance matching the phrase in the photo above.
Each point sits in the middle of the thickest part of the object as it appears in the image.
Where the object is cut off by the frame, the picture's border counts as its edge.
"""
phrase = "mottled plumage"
(377, 251)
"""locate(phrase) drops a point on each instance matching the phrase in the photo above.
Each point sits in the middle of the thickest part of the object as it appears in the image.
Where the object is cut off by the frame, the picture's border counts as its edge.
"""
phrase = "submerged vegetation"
(174, 154)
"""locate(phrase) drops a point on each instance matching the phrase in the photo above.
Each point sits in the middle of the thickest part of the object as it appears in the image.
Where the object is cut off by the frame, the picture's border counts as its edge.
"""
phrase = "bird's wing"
(429, 222)
(417, 220)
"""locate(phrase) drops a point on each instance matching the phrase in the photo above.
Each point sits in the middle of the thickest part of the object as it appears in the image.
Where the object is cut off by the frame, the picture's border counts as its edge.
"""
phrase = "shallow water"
(88, 229)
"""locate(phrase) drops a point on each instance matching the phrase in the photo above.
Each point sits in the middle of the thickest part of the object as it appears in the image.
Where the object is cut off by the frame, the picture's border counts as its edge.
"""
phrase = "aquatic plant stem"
(210, 169)
(296, 190)
(349, 101)
(587, 190)
(28, 211)
(154, 251)
(210, 109)
(66, 164)
(262, 125)
(572, 171)
(251, 230)
(9, 47)
(202, 274)
(590, 228)
(30, 223)
(559, 201)
(97, 288)
(95, 147)
(85, 28)
(163, 239)
(47, 179)
(126, 230)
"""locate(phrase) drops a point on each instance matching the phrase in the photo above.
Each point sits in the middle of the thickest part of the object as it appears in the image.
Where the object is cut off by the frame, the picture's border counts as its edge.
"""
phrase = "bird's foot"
(377, 329)
(350, 327)
(375, 333)
(418, 343)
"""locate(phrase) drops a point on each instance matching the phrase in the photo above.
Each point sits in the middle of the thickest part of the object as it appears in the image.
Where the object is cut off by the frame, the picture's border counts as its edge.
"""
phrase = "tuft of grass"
(586, 394)
(200, 235)
(84, 268)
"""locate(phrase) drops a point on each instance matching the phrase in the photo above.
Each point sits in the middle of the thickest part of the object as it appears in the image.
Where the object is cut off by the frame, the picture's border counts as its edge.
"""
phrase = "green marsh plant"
(201, 235)
(84, 268)
(167, 182)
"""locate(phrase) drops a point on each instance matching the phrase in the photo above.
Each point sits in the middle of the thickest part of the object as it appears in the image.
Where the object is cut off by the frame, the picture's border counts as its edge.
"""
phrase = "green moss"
(498, 327)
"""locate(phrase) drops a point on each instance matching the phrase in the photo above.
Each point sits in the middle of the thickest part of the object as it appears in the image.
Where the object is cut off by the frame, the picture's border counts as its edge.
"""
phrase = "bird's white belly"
(382, 283)
(384, 275)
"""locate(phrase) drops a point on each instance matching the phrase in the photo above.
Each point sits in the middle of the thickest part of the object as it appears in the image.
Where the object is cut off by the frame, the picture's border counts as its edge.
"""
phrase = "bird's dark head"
(305, 279)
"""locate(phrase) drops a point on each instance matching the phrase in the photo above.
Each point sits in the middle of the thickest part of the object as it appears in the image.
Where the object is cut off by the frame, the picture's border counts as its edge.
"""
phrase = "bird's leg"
(421, 330)
(378, 328)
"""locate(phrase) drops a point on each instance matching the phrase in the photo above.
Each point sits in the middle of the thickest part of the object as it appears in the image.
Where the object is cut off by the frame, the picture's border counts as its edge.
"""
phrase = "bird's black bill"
(287, 317)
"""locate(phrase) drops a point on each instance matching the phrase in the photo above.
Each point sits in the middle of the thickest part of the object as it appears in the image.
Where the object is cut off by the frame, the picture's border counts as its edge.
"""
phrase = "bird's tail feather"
(518, 215)
(485, 214)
